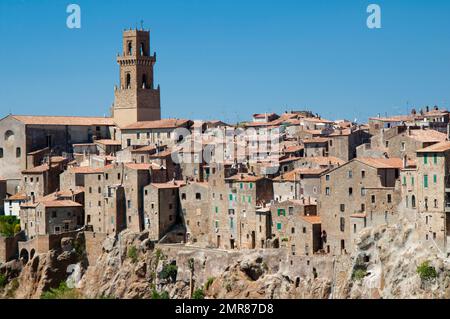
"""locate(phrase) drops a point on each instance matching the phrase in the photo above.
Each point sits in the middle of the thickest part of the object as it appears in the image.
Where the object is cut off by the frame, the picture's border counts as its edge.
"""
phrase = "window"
(425, 158)
(242, 186)
(99, 177)
(118, 175)
(138, 136)
(144, 81)
(363, 207)
(363, 191)
(403, 147)
(99, 190)
(327, 177)
(217, 209)
(350, 191)
(99, 203)
(281, 211)
(292, 230)
(129, 203)
(327, 191)
(128, 81)
(183, 196)
(425, 181)
(251, 185)
(170, 206)
(231, 197)
(128, 142)
(435, 203)
(291, 210)
(354, 228)
(198, 196)
(53, 214)
(331, 142)
(279, 226)
(363, 174)
(412, 181)
(342, 224)
(342, 208)
(18, 152)
(413, 201)
(304, 230)
(404, 180)
(435, 158)
(435, 179)
(1, 152)
(350, 174)
(130, 48)
(389, 198)
(142, 51)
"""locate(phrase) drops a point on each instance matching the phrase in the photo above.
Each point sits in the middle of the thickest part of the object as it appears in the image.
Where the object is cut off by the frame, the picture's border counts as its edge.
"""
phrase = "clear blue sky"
(229, 59)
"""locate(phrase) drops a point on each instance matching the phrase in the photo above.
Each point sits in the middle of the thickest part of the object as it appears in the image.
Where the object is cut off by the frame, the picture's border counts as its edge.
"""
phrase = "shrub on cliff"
(169, 272)
(426, 272)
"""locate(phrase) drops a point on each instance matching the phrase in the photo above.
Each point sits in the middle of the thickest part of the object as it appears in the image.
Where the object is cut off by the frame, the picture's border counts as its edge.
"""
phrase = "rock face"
(384, 265)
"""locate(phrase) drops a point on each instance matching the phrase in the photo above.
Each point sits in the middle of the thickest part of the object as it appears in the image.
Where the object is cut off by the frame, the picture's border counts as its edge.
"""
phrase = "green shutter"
(251, 185)
(425, 158)
(404, 180)
(435, 179)
(412, 181)
(435, 158)
(217, 209)
(279, 226)
(425, 181)
(231, 197)
(249, 199)
(217, 224)
(242, 185)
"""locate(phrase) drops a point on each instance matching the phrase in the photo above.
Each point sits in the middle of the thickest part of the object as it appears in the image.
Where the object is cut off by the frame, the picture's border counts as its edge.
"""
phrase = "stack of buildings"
(290, 181)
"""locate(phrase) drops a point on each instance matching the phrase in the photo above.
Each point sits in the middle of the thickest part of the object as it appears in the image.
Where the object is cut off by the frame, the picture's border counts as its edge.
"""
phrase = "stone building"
(344, 142)
(344, 193)
(12, 204)
(158, 133)
(50, 217)
(301, 182)
(196, 208)
(296, 226)
(161, 208)
(22, 135)
(433, 193)
(317, 146)
(136, 98)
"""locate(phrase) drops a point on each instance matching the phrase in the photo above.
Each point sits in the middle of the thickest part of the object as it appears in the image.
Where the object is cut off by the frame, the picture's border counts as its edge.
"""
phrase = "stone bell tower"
(136, 99)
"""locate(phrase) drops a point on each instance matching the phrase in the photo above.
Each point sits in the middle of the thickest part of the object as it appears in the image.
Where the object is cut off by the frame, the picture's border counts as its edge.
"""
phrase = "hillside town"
(284, 180)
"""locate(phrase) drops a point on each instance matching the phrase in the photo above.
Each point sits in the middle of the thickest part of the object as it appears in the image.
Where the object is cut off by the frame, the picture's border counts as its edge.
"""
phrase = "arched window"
(413, 201)
(130, 48)
(128, 81)
(9, 136)
(143, 53)
(144, 81)
(18, 152)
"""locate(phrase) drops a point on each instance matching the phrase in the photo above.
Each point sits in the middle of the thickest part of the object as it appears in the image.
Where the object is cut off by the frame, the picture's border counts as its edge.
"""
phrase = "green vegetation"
(198, 294)
(133, 254)
(160, 295)
(62, 292)
(209, 282)
(426, 272)
(9, 226)
(169, 272)
(3, 281)
(13, 286)
(359, 274)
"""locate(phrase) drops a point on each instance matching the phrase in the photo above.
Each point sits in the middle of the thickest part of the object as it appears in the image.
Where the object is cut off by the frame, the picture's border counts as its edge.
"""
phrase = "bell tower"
(136, 98)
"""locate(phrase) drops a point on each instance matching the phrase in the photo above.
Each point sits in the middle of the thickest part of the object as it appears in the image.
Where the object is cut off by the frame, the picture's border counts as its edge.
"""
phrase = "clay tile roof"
(61, 203)
(160, 124)
(263, 115)
(57, 159)
(18, 196)
(325, 160)
(397, 118)
(37, 169)
(164, 153)
(427, 135)
(294, 175)
(315, 140)
(177, 184)
(142, 166)
(85, 170)
(312, 219)
(64, 120)
(108, 142)
(382, 162)
(436, 148)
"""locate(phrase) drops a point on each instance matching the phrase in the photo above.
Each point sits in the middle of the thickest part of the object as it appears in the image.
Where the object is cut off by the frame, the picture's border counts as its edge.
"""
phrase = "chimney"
(405, 161)
(409, 130)
(427, 109)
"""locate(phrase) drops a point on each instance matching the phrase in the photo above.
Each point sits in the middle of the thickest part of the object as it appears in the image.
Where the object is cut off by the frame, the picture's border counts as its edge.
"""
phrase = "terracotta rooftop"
(85, 170)
(37, 169)
(382, 162)
(312, 219)
(427, 135)
(325, 160)
(315, 140)
(142, 166)
(263, 115)
(108, 142)
(64, 120)
(397, 118)
(61, 203)
(169, 185)
(18, 196)
(436, 148)
(160, 124)
(294, 174)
